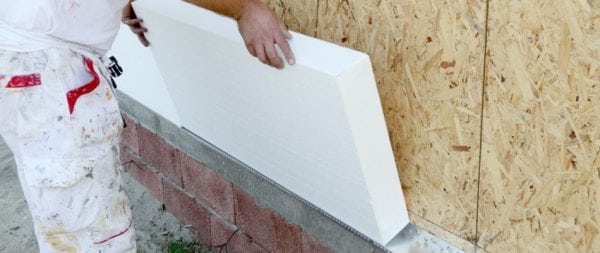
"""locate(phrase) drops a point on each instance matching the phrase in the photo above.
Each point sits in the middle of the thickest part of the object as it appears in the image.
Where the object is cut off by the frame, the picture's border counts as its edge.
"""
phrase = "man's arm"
(260, 28)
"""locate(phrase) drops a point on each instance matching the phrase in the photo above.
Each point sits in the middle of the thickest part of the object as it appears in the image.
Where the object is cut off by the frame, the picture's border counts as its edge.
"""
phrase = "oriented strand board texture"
(299, 15)
(428, 60)
(540, 182)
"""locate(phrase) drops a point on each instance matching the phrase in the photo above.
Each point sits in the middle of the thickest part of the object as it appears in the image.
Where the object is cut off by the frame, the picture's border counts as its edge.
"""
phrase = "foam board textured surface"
(141, 78)
(315, 128)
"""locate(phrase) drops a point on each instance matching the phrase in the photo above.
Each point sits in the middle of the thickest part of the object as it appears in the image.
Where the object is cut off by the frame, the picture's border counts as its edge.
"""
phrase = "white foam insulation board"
(316, 128)
(141, 79)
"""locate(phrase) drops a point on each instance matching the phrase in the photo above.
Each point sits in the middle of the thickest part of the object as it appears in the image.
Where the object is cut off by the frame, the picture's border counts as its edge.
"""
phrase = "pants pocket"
(55, 124)
(95, 119)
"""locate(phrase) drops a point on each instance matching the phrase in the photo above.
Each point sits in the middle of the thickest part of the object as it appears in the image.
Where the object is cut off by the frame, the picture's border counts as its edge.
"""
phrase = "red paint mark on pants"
(73, 95)
(24, 81)
(116, 235)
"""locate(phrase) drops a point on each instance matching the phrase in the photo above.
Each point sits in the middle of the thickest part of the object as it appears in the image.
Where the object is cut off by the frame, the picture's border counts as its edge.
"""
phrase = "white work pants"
(65, 143)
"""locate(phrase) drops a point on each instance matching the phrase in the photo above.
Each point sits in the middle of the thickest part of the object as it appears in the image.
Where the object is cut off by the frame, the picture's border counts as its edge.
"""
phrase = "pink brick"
(264, 226)
(144, 175)
(159, 154)
(125, 155)
(220, 231)
(129, 137)
(227, 238)
(288, 236)
(255, 221)
(204, 183)
(241, 243)
(188, 210)
(312, 245)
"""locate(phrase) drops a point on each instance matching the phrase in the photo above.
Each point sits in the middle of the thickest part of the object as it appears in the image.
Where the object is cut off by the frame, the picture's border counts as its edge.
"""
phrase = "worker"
(60, 118)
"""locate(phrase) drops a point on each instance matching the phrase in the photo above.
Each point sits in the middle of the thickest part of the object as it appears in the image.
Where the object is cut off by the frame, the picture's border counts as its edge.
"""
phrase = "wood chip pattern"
(540, 171)
(540, 184)
(428, 62)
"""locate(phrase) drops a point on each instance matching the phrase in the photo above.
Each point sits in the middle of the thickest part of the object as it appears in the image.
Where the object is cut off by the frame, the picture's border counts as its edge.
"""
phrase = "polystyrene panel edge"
(374, 149)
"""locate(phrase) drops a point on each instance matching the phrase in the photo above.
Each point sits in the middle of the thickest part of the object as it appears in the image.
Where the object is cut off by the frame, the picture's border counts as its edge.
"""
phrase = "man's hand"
(262, 30)
(134, 23)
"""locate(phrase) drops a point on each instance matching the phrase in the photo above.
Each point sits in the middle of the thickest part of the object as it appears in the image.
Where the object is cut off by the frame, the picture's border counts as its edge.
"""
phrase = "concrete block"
(257, 222)
(335, 236)
(143, 174)
(129, 137)
(187, 209)
(288, 236)
(146, 117)
(209, 186)
(162, 156)
(221, 232)
(241, 243)
(312, 245)
(125, 154)
(282, 202)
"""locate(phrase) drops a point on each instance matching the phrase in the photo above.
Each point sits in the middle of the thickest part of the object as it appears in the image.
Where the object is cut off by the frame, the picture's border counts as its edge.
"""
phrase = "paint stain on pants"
(65, 143)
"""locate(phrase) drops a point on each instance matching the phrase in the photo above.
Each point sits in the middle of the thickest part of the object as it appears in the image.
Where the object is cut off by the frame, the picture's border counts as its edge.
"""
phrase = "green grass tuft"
(180, 246)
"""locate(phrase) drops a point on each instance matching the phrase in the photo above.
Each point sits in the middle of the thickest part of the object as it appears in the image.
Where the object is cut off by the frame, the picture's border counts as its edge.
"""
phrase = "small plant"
(180, 246)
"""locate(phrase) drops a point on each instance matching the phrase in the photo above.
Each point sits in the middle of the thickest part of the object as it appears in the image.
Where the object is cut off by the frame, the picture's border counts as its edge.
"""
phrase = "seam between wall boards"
(475, 239)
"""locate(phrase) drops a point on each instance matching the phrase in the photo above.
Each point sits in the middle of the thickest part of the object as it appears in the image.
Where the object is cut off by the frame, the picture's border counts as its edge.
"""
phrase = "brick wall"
(221, 214)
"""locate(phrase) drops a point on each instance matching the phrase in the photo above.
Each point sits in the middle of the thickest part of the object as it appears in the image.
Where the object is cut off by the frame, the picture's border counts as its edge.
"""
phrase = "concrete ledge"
(267, 193)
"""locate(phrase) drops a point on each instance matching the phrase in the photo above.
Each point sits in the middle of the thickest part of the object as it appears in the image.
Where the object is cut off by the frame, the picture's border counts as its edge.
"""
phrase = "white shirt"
(84, 25)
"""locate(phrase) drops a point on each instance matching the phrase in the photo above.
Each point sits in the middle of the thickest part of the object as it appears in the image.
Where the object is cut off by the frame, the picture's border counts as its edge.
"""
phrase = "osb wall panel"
(428, 60)
(540, 182)
(299, 15)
